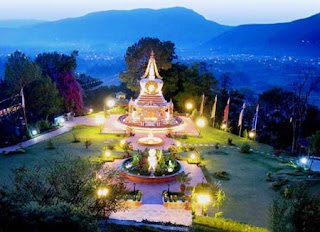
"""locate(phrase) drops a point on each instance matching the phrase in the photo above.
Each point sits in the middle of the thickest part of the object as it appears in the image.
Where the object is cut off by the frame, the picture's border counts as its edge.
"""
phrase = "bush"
(222, 175)
(217, 145)
(50, 145)
(184, 137)
(88, 143)
(43, 125)
(76, 138)
(245, 148)
(245, 133)
(227, 224)
(111, 147)
(230, 141)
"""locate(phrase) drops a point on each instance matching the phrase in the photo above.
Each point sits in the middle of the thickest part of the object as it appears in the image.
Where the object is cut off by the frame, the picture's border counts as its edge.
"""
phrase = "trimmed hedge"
(227, 224)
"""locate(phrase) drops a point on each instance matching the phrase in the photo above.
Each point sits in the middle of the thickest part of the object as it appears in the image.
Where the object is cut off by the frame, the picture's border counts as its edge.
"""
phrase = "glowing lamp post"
(107, 154)
(303, 161)
(99, 119)
(203, 200)
(189, 106)
(110, 103)
(223, 126)
(122, 142)
(34, 132)
(252, 134)
(200, 122)
(102, 192)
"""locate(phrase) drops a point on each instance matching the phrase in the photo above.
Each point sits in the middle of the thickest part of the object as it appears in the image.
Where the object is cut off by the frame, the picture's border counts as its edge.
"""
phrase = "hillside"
(116, 29)
(300, 37)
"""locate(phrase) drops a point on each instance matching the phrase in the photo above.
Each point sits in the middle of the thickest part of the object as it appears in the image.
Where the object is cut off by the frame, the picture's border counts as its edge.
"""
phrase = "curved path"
(67, 127)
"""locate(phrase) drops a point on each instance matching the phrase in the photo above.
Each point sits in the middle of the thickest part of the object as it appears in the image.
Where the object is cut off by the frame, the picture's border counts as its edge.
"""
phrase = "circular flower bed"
(161, 165)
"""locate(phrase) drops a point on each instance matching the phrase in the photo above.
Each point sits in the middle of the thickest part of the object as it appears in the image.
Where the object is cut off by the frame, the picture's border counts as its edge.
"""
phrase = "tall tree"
(307, 82)
(44, 98)
(21, 71)
(137, 57)
(61, 68)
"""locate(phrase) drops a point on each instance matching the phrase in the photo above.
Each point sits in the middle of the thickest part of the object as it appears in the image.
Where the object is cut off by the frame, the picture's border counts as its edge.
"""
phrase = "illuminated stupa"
(150, 108)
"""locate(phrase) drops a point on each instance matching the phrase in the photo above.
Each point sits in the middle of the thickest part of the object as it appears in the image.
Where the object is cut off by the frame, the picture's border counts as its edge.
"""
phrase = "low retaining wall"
(149, 179)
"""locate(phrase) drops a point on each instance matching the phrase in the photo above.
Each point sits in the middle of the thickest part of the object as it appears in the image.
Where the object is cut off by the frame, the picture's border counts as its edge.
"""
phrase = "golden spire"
(151, 70)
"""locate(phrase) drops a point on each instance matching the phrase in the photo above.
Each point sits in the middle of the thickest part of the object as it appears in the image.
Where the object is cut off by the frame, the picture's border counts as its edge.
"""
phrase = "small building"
(120, 95)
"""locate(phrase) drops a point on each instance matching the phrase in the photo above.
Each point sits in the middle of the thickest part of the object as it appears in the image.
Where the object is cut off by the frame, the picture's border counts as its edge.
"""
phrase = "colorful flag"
(226, 112)
(241, 114)
(255, 119)
(22, 98)
(202, 105)
(214, 107)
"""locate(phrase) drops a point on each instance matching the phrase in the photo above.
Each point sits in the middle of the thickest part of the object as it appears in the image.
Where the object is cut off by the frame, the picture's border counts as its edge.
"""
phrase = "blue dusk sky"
(230, 12)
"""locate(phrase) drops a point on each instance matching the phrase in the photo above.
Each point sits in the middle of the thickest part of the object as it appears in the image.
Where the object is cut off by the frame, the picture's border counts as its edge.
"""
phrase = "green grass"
(226, 224)
(248, 193)
(39, 153)
(213, 136)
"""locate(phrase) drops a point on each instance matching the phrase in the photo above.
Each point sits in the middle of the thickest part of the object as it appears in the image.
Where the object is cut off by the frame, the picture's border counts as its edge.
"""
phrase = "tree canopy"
(20, 71)
(137, 57)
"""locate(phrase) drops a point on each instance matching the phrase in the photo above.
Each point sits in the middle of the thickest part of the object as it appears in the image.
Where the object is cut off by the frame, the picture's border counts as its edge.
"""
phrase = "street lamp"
(102, 192)
(99, 119)
(110, 103)
(189, 106)
(201, 122)
(203, 200)
(107, 154)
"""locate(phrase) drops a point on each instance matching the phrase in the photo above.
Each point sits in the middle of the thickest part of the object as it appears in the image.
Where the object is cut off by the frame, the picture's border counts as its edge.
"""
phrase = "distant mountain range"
(300, 37)
(113, 31)
(15, 23)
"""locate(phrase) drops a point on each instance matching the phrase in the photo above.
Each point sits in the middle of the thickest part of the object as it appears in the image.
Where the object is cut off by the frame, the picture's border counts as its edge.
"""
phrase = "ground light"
(99, 119)
(304, 160)
(200, 122)
(252, 134)
(122, 142)
(107, 154)
(102, 192)
(193, 156)
(203, 200)
(223, 126)
(34, 132)
(110, 103)
(189, 106)
(178, 144)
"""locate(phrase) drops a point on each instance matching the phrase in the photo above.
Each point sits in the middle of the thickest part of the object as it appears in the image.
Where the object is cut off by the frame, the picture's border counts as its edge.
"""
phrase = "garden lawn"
(210, 135)
(40, 154)
(249, 194)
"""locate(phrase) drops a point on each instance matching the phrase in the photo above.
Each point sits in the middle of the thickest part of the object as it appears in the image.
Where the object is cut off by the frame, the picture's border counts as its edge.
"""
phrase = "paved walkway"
(67, 127)
(152, 208)
(155, 213)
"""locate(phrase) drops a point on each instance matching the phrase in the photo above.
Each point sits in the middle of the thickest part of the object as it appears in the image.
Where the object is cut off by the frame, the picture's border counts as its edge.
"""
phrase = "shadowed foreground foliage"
(61, 195)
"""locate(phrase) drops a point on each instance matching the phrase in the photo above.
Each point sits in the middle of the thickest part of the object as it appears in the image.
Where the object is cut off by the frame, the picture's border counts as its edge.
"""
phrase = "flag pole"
(24, 108)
